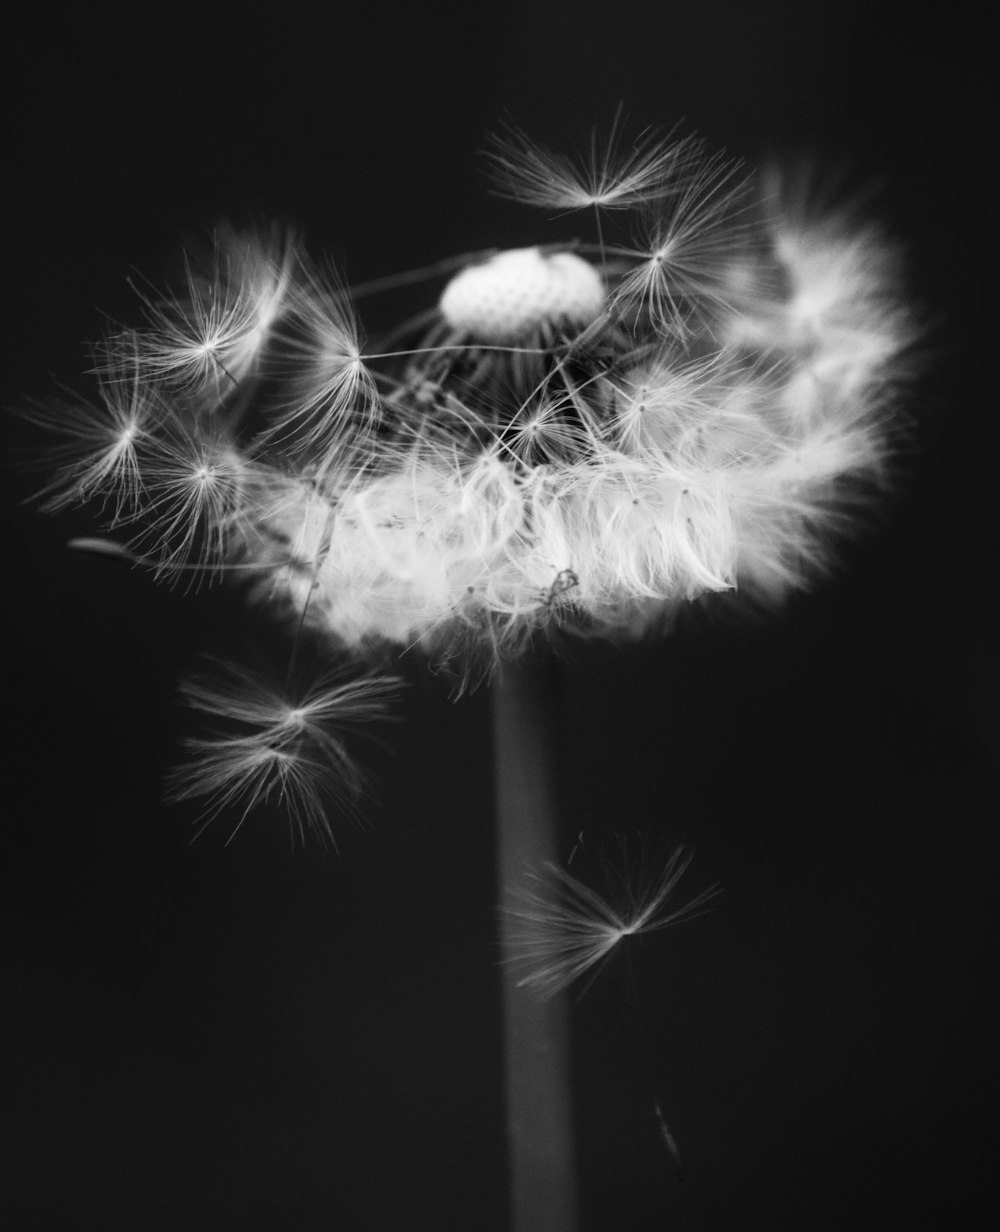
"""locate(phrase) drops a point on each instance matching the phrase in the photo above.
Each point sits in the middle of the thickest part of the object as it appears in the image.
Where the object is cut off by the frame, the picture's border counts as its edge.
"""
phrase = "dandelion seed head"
(564, 439)
(683, 415)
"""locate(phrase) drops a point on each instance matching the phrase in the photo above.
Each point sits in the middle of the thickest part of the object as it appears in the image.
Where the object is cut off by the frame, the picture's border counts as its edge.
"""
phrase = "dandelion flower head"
(573, 437)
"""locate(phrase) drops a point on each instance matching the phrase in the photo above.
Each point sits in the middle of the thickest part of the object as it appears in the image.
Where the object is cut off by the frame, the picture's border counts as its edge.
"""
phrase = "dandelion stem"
(542, 1183)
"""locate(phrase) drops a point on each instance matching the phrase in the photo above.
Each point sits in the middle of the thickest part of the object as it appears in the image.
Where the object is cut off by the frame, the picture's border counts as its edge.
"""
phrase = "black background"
(254, 1037)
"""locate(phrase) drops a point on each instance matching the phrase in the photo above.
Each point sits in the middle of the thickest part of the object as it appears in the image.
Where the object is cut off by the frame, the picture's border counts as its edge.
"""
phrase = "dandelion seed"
(686, 257)
(97, 444)
(209, 339)
(279, 743)
(328, 400)
(195, 491)
(660, 404)
(547, 431)
(564, 929)
(613, 175)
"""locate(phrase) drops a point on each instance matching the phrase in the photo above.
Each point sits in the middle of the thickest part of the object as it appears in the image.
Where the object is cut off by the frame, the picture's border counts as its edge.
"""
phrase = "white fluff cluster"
(571, 437)
(586, 444)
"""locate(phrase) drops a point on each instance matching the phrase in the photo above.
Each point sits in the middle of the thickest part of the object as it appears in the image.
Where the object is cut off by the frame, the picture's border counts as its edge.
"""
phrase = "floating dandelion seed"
(278, 743)
(562, 928)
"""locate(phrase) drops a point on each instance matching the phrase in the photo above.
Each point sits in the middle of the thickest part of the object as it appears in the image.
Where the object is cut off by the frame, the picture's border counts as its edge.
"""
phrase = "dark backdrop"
(254, 1037)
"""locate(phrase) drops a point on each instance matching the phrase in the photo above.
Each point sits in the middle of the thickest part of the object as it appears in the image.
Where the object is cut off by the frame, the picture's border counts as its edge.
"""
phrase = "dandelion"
(692, 413)
(569, 440)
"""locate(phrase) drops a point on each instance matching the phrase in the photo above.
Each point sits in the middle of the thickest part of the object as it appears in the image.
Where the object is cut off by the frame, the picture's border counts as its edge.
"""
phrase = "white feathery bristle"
(519, 292)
